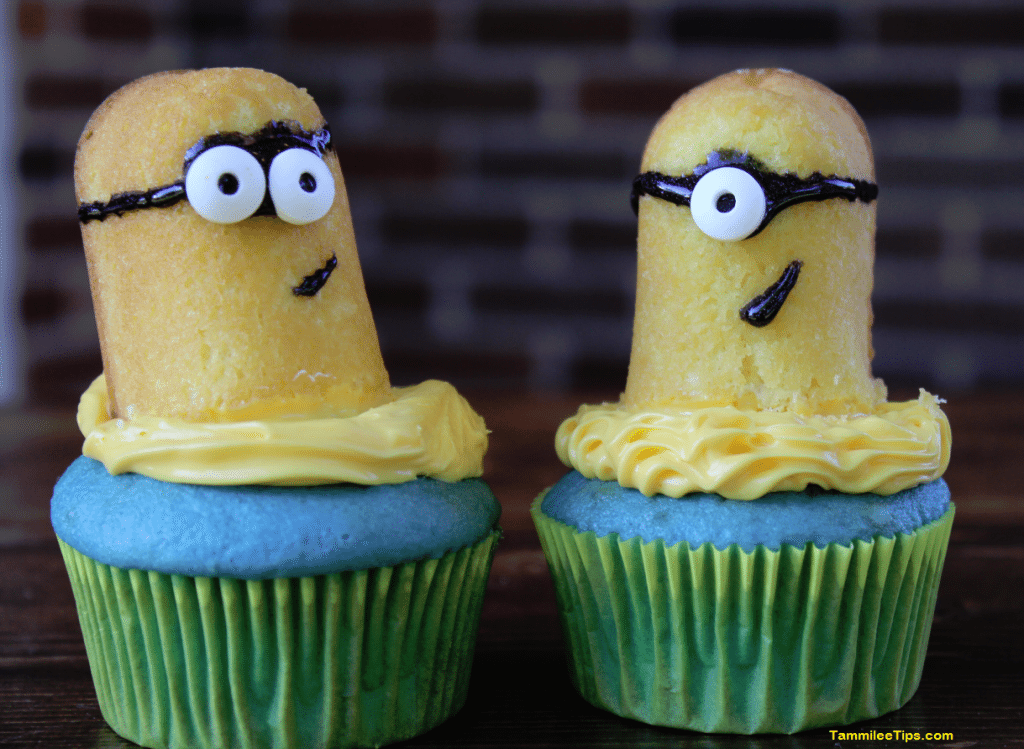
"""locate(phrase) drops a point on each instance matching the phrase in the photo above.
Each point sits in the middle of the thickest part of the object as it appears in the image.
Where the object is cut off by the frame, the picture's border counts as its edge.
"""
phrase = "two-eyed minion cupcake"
(751, 539)
(269, 545)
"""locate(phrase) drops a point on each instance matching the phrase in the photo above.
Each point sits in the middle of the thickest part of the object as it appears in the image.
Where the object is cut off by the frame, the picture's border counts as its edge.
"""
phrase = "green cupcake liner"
(349, 659)
(736, 642)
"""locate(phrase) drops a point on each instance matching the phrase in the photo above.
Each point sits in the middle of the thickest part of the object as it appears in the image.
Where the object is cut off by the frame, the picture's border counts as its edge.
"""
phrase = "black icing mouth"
(763, 308)
(315, 281)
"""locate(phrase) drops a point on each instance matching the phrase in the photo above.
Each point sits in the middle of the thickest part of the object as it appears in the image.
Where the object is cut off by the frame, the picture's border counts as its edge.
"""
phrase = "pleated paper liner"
(342, 660)
(736, 642)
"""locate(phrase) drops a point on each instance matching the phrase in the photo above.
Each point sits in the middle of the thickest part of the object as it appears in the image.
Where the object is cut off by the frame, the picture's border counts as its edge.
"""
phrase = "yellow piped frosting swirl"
(743, 454)
(425, 430)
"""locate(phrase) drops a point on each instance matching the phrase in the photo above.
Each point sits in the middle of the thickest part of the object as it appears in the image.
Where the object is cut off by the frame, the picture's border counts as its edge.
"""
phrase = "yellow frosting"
(425, 430)
(740, 454)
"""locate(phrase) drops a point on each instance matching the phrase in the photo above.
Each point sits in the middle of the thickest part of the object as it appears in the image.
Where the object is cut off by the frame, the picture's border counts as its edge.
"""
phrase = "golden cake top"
(791, 123)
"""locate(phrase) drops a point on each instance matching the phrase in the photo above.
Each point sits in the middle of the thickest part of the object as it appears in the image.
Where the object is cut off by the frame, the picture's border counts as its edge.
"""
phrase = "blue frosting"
(258, 532)
(820, 517)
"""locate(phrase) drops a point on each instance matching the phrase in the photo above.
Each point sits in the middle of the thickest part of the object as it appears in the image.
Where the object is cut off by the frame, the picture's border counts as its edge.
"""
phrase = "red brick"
(1006, 244)
(328, 94)
(41, 163)
(1011, 100)
(362, 27)
(53, 232)
(45, 304)
(951, 316)
(455, 231)
(116, 22)
(907, 243)
(207, 21)
(44, 91)
(599, 373)
(461, 368)
(604, 235)
(756, 26)
(650, 97)
(32, 19)
(390, 161)
(462, 96)
(550, 26)
(59, 383)
(392, 295)
(529, 300)
(961, 173)
(552, 165)
(951, 26)
(902, 98)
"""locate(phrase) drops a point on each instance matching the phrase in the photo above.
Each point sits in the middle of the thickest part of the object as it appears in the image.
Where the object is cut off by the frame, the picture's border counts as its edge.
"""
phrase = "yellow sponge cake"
(199, 319)
(690, 341)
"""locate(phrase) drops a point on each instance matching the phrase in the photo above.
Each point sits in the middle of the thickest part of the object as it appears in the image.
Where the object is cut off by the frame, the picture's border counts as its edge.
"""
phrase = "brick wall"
(488, 150)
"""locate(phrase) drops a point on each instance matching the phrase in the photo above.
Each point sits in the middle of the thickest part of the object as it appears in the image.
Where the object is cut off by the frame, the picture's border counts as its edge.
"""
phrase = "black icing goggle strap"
(780, 190)
(264, 144)
(160, 197)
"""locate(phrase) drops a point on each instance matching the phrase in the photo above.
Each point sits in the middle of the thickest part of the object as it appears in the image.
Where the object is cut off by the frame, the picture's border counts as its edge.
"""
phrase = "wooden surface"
(520, 695)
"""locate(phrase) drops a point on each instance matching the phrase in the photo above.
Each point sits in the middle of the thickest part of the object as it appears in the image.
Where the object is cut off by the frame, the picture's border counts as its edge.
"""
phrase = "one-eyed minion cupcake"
(269, 545)
(751, 539)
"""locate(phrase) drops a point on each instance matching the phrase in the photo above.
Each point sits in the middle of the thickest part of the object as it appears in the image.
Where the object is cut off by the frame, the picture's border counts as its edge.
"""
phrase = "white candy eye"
(225, 184)
(301, 186)
(728, 204)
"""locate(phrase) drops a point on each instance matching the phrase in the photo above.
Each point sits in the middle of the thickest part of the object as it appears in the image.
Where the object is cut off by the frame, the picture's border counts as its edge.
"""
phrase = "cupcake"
(751, 539)
(269, 545)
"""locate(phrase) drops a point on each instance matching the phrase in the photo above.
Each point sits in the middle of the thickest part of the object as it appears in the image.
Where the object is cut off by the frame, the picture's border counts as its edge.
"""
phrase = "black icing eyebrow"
(781, 190)
(266, 143)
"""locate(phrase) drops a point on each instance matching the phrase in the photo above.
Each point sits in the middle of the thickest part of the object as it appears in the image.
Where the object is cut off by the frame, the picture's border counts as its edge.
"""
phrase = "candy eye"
(727, 203)
(301, 186)
(225, 184)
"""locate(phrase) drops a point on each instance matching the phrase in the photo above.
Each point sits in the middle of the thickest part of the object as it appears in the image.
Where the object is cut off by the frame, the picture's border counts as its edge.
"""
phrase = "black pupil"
(228, 183)
(307, 182)
(726, 202)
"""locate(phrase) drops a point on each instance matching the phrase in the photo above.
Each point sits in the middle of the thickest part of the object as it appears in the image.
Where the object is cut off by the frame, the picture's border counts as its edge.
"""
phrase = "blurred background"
(488, 150)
